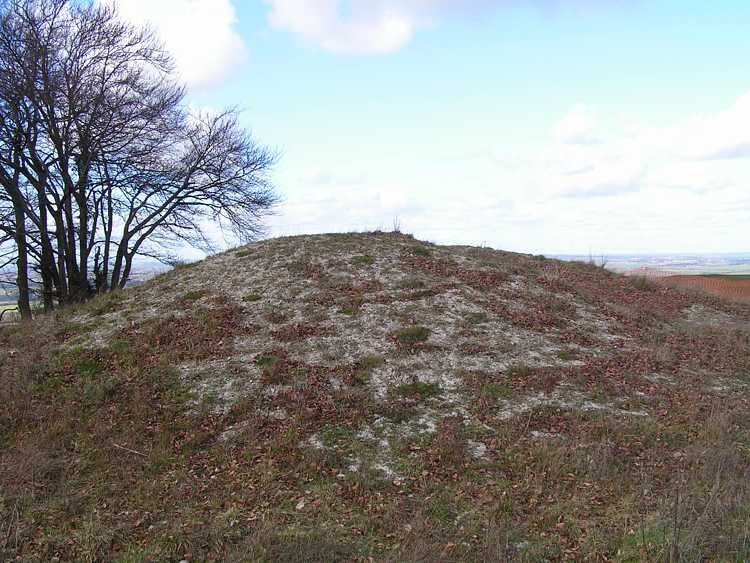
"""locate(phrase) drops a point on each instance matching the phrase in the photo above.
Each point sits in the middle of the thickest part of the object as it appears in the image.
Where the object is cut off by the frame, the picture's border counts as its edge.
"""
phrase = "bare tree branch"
(99, 160)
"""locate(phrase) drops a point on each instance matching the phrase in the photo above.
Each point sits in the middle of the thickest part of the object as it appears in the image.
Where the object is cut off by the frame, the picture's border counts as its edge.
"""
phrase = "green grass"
(411, 283)
(271, 365)
(88, 367)
(495, 390)
(643, 283)
(732, 277)
(363, 369)
(419, 389)
(413, 335)
(269, 361)
(334, 435)
(252, 297)
(567, 355)
(519, 371)
(181, 266)
(477, 318)
(421, 251)
(371, 362)
(106, 303)
(397, 412)
(192, 296)
(364, 260)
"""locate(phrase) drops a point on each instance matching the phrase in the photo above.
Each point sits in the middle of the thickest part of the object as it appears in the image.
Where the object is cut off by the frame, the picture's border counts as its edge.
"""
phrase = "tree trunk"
(78, 283)
(47, 262)
(22, 262)
(126, 270)
(117, 267)
(62, 289)
(109, 219)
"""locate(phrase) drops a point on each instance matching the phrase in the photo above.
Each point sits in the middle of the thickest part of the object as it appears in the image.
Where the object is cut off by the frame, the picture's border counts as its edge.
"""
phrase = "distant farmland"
(735, 287)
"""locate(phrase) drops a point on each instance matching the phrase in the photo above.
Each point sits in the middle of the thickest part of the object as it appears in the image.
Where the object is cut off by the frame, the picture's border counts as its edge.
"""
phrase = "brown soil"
(721, 287)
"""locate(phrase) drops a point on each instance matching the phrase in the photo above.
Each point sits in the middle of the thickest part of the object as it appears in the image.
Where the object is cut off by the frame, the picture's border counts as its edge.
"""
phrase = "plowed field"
(723, 286)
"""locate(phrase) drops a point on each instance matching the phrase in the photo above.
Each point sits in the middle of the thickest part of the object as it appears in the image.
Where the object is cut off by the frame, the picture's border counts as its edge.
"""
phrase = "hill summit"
(374, 397)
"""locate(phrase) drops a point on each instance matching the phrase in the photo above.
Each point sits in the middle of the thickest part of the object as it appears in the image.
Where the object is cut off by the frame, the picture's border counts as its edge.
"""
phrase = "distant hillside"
(7, 299)
(373, 397)
(707, 263)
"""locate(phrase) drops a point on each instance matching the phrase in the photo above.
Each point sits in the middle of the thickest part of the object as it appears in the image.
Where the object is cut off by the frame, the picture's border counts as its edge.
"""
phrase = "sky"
(541, 126)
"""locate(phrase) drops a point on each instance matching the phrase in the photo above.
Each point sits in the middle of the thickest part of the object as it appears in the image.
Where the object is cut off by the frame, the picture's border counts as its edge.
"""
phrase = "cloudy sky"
(545, 126)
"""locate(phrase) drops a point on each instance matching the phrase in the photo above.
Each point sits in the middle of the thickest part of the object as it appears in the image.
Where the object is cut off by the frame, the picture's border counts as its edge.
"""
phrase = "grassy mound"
(345, 397)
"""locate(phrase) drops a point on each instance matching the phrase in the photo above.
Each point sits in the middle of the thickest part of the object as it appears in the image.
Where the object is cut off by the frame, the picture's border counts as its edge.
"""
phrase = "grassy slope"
(350, 396)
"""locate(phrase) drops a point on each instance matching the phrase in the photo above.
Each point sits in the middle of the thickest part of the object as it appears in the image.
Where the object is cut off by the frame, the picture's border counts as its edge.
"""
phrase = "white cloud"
(200, 34)
(577, 164)
(373, 27)
(578, 127)
(702, 153)
(723, 135)
(680, 188)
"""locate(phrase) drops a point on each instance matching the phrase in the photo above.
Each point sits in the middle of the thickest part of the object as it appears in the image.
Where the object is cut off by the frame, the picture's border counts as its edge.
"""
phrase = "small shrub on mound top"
(493, 391)
(270, 365)
(364, 260)
(643, 283)
(411, 283)
(477, 318)
(364, 368)
(192, 296)
(519, 371)
(567, 355)
(419, 389)
(106, 303)
(88, 368)
(371, 362)
(267, 361)
(413, 335)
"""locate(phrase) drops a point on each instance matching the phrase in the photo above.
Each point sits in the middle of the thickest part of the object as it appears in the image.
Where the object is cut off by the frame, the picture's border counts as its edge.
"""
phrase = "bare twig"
(129, 450)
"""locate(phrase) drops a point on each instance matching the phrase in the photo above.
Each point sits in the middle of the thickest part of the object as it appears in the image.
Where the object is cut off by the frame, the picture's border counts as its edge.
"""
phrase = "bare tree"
(99, 160)
(213, 172)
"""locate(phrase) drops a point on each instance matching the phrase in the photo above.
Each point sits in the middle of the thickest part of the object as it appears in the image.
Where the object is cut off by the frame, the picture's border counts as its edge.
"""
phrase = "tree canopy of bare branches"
(100, 162)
